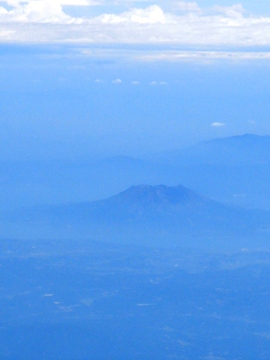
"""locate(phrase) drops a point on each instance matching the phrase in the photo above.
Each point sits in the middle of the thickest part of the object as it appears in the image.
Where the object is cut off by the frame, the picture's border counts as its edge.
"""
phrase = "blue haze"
(52, 106)
(99, 280)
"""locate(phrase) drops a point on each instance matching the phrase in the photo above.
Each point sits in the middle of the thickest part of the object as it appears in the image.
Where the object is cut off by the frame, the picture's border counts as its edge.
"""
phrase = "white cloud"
(206, 56)
(218, 124)
(35, 11)
(45, 21)
(234, 11)
(77, 2)
(117, 81)
(17, 3)
(187, 6)
(151, 15)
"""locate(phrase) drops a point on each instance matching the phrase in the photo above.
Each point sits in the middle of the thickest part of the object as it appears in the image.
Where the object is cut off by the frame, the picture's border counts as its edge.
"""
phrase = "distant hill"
(245, 149)
(145, 215)
(235, 169)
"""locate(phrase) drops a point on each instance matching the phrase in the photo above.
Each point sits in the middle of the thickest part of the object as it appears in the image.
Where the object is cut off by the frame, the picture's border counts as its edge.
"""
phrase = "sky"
(100, 78)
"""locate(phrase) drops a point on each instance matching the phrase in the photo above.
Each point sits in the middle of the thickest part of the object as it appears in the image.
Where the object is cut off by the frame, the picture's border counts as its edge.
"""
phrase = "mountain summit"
(158, 195)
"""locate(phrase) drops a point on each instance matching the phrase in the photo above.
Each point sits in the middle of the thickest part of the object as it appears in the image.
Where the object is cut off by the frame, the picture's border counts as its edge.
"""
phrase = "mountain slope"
(145, 215)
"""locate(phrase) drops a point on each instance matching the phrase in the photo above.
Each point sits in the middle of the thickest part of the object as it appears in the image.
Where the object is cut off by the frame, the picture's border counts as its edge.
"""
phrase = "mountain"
(235, 170)
(247, 149)
(145, 215)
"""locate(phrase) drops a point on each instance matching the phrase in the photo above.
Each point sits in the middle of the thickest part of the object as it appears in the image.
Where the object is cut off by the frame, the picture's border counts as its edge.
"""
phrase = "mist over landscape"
(95, 251)
(134, 180)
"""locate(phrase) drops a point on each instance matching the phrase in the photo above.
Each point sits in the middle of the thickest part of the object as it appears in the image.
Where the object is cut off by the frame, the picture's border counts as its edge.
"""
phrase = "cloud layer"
(39, 21)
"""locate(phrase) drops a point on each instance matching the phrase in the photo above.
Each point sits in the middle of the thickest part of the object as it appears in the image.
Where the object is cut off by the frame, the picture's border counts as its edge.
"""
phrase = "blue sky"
(127, 77)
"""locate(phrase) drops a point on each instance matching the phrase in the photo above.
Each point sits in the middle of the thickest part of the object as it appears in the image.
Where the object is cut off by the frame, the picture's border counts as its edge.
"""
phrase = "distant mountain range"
(234, 170)
(241, 150)
(145, 215)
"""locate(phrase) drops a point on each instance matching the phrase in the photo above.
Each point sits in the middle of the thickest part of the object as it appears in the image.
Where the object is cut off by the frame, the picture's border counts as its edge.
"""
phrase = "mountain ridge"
(239, 149)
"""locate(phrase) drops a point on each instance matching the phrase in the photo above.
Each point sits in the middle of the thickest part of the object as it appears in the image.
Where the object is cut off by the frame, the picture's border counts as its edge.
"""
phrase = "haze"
(67, 102)
(134, 180)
